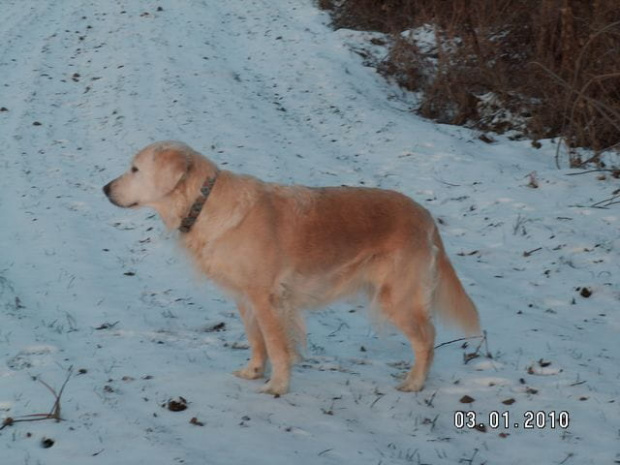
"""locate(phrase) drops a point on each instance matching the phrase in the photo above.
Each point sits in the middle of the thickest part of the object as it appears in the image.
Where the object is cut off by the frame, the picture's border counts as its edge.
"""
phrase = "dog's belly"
(324, 285)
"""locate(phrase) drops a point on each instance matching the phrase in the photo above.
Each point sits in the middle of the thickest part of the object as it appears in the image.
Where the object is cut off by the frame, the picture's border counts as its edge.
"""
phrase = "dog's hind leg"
(421, 334)
(412, 317)
(256, 366)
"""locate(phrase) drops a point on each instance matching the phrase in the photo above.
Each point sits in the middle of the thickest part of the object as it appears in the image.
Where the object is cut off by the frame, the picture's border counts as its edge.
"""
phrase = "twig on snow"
(600, 170)
(55, 412)
(607, 202)
(457, 340)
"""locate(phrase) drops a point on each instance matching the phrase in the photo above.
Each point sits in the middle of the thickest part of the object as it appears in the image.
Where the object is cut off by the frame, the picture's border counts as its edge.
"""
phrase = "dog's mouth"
(114, 202)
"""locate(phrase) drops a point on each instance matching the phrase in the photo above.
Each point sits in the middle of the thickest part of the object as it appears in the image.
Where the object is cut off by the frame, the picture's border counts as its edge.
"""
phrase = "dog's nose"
(106, 189)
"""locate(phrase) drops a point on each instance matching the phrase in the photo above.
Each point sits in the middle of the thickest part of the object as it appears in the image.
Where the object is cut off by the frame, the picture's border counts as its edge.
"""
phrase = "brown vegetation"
(554, 65)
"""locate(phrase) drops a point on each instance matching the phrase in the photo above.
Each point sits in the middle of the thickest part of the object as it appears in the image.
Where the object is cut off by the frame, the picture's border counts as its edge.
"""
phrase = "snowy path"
(265, 87)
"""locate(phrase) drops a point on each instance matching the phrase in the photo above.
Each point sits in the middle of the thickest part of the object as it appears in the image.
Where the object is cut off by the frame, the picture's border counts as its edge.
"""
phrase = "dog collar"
(196, 208)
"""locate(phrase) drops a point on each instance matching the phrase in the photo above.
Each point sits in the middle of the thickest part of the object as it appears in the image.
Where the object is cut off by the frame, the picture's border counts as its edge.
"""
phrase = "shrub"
(545, 67)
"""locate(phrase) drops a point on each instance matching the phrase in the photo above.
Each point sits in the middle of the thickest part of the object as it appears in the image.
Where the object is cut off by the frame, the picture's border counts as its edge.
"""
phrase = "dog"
(278, 249)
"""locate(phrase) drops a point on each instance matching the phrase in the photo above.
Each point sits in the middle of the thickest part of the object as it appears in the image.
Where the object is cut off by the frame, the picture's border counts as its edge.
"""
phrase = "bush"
(545, 67)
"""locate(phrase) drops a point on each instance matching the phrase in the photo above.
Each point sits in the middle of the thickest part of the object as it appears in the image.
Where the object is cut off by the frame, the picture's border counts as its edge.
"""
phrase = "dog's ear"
(173, 164)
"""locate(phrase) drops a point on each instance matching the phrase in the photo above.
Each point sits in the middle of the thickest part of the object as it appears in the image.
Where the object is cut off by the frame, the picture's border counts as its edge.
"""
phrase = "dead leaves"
(542, 368)
(46, 443)
(194, 421)
(584, 292)
(216, 328)
(177, 405)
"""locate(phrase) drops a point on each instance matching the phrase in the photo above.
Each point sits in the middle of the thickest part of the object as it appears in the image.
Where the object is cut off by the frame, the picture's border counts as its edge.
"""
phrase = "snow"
(266, 88)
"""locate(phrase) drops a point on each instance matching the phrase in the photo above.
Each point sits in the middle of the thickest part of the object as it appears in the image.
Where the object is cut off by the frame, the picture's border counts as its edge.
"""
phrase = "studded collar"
(196, 208)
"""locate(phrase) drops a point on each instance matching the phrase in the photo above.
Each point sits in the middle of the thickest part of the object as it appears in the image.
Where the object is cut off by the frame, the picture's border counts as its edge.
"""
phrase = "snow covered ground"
(265, 87)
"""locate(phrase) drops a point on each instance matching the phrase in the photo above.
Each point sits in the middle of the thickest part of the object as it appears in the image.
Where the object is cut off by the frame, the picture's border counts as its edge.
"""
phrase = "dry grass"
(553, 64)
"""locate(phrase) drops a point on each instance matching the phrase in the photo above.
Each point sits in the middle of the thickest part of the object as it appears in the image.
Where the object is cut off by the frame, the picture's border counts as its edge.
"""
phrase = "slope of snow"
(266, 88)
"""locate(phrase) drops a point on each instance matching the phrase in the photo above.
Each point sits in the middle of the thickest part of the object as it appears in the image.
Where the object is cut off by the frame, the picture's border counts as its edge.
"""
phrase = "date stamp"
(530, 419)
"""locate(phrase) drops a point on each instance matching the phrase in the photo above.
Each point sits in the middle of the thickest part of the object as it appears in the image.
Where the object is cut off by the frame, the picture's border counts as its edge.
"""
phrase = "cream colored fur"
(279, 249)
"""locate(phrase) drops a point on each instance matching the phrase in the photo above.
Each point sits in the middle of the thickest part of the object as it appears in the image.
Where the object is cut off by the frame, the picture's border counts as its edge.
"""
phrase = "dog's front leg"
(256, 366)
(275, 336)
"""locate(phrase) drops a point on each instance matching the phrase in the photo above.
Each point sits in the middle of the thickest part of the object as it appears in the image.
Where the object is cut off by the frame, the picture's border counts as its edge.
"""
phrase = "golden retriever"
(278, 249)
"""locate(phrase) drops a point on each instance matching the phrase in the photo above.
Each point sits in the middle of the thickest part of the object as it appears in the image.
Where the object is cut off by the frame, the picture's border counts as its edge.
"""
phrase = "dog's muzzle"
(107, 190)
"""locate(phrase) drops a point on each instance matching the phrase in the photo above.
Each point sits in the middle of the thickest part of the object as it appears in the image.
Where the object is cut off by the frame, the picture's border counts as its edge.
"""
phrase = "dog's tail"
(449, 299)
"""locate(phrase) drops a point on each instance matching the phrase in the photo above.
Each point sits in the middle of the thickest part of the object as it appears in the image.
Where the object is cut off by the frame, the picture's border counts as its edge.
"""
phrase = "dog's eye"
(134, 169)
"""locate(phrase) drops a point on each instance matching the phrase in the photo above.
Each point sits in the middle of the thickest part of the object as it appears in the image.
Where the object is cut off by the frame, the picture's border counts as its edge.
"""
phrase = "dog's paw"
(274, 388)
(249, 373)
(410, 386)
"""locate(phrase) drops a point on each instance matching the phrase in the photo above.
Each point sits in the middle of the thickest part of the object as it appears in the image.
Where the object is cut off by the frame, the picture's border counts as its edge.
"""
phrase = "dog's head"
(153, 175)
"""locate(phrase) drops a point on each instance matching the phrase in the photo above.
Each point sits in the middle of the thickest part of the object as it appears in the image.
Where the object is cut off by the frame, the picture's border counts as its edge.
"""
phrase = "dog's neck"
(194, 211)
